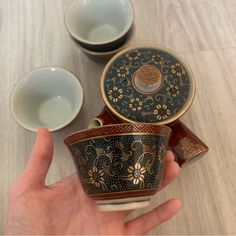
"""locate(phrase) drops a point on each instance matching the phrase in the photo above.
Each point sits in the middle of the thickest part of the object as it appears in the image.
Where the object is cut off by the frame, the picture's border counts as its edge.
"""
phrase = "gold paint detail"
(190, 150)
(135, 104)
(173, 90)
(69, 142)
(115, 94)
(96, 177)
(123, 71)
(133, 55)
(157, 61)
(119, 129)
(127, 192)
(135, 173)
(162, 112)
(178, 69)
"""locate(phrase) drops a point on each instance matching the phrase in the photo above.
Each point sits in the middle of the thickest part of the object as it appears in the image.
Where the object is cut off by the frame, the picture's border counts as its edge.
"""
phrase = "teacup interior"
(46, 97)
(98, 22)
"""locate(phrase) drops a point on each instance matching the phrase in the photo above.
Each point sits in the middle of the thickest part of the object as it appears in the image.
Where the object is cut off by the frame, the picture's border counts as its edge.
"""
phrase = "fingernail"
(170, 156)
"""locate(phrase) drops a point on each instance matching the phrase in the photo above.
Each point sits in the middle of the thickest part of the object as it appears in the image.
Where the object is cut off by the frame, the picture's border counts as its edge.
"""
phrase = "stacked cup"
(101, 28)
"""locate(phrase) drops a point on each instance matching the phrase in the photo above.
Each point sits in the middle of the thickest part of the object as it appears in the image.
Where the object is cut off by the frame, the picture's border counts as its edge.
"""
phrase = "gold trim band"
(112, 135)
(118, 129)
(121, 192)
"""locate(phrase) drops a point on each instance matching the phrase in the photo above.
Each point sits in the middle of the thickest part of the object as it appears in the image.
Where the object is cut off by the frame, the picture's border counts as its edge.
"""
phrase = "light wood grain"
(32, 34)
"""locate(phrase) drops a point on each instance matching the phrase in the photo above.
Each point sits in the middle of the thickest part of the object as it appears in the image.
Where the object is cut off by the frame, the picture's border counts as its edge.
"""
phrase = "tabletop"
(32, 34)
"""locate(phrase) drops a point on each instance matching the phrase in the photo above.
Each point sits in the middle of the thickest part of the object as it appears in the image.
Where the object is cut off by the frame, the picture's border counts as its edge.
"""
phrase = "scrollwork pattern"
(133, 162)
(176, 85)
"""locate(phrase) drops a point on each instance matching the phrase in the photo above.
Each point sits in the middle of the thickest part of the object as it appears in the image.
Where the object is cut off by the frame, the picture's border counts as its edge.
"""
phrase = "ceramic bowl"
(99, 25)
(120, 166)
(48, 97)
(103, 57)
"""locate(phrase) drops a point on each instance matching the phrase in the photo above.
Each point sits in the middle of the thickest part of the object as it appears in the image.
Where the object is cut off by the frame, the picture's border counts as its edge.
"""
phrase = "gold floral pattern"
(123, 71)
(120, 163)
(115, 94)
(135, 104)
(96, 177)
(125, 155)
(173, 90)
(162, 112)
(119, 145)
(190, 149)
(136, 173)
(133, 55)
(178, 69)
(157, 59)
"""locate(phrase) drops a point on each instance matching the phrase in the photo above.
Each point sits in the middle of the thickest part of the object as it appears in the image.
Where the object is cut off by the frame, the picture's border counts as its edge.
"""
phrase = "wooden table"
(32, 34)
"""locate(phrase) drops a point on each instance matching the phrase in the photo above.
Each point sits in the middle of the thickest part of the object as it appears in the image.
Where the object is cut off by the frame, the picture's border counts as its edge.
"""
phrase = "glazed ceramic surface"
(46, 97)
(99, 25)
(147, 84)
(185, 145)
(120, 161)
(105, 56)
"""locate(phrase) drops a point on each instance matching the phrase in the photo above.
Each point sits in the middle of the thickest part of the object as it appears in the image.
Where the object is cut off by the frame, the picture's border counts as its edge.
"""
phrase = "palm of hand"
(63, 208)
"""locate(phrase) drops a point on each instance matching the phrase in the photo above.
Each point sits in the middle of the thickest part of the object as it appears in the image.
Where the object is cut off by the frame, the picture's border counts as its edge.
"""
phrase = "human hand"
(63, 208)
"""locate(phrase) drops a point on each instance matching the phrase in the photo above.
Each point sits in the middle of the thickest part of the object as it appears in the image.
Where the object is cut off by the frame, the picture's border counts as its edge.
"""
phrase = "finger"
(171, 172)
(126, 213)
(150, 220)
(170, 156)
(40, 159)
(70, 183)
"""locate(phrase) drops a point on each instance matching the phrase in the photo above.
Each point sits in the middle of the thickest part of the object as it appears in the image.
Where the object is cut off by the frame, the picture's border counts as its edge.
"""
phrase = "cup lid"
(147, 84)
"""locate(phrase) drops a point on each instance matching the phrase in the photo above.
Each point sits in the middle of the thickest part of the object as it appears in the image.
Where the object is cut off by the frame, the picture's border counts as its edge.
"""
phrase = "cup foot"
(123, 204)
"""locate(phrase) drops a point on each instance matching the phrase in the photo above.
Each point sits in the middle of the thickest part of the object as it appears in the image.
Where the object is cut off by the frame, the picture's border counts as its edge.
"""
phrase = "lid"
(147, 84)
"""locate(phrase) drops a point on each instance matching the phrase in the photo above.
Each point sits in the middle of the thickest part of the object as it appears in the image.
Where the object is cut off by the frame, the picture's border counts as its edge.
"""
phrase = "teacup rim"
(89, 133)
(22, 77)
(82, 40)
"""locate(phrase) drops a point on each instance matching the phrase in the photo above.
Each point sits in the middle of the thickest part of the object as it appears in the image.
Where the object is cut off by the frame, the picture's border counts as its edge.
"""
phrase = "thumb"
(40, 160)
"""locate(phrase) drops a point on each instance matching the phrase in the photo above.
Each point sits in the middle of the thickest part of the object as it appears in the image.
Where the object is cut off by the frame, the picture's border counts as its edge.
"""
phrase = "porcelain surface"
(147, 84)
(120, 163)
(48, 97)
(99, 25)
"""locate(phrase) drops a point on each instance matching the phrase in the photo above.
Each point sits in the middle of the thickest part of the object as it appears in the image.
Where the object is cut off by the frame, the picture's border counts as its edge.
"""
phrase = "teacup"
(48, 97)
(103, 57)
(120, 166)
(99, 26)
(151, 84)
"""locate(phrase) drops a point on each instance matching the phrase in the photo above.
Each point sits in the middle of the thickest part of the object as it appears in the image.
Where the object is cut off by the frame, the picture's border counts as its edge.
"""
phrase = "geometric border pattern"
(117, 129)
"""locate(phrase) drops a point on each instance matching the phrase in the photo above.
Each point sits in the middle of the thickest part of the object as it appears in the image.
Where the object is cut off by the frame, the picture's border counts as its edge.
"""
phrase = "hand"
(63, 208)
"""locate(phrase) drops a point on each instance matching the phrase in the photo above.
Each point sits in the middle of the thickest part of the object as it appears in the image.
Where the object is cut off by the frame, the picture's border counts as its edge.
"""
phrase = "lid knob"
(147, 79)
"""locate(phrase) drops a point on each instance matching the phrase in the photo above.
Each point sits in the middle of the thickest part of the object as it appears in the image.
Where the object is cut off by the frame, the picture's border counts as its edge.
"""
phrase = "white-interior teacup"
(46, 97)
(98, 22)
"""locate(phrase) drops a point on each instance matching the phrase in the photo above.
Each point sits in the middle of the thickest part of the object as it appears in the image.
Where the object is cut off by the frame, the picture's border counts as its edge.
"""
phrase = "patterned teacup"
(151, 84)
(120, 166)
